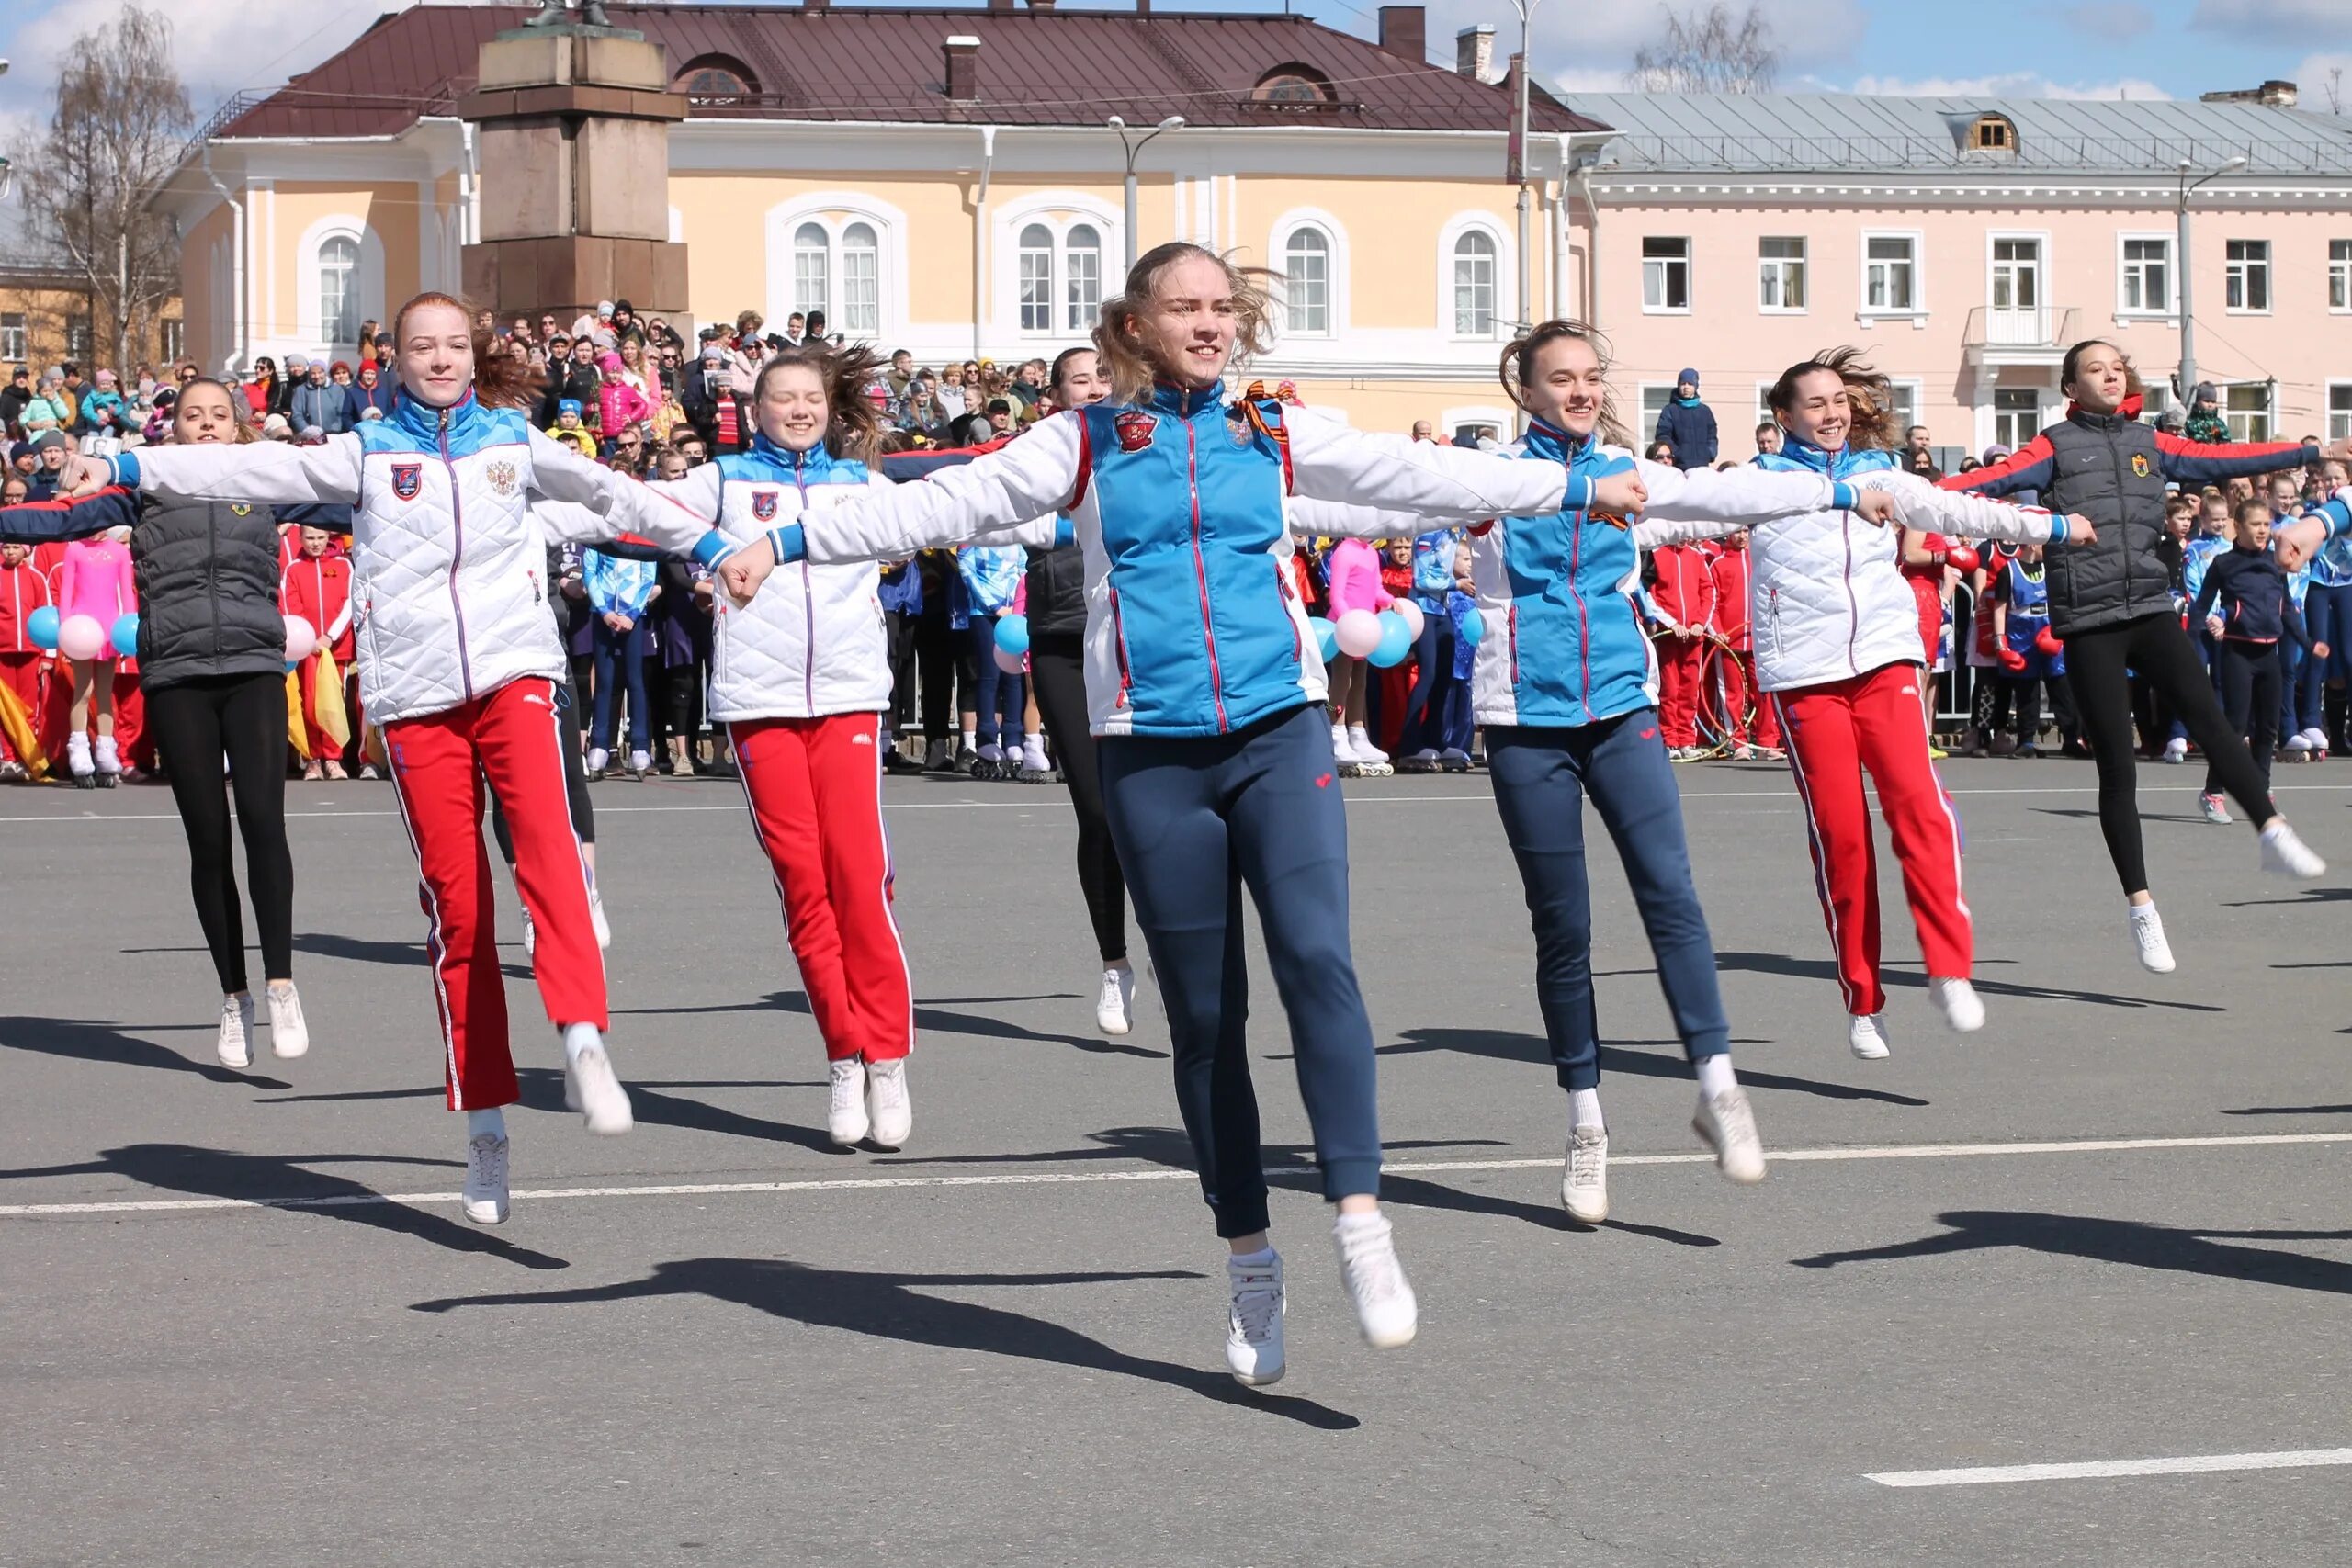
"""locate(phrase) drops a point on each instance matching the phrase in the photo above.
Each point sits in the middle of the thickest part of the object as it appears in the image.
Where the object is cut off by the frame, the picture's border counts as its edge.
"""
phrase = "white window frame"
(2125, 311)
(2329, 412)
(1917, 387)
(2242, 273)
(2269, 412)
(2339, 277)
(812, 242)
(1917, 310)
(1335, 286)
(836, 212)
(1058, 212)
(1767, 266)
(368, 282)
(1645, 430)
(15, 336)
(1689, 275)
(1448, 257)
(2044, 407)
(1504, 420)
(171, 339)
(1763, 411)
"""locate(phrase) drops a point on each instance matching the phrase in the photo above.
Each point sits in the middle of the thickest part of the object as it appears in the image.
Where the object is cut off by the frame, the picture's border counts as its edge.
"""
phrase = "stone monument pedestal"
(574, 159)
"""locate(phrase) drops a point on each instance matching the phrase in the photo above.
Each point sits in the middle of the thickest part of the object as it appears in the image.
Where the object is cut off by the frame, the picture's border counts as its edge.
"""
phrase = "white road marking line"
(2097, 1470)
(1165, 1173)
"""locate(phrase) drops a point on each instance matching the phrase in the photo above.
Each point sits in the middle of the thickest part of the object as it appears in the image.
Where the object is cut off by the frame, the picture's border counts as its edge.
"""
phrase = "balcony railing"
(2038, 327)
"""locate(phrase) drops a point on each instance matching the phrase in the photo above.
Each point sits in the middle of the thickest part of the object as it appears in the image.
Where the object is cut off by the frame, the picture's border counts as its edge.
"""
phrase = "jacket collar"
(775, 452)
(1797, 453)
(1185, 403)
(1547, 440)
(426, 423)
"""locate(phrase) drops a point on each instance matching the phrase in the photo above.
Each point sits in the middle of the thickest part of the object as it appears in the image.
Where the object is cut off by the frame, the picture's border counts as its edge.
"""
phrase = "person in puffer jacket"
(1437, 709)
(1839, 653)
(620, 590)
(1688, 425)
(459, 662)
(620, 402)
(1204, 686)
(993, 575)
(800, 675)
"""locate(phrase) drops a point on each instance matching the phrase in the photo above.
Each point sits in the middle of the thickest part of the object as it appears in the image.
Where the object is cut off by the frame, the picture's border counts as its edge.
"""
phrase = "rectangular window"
(1779, 264)
(2339, 410)
(173, 336)
(1474, 286)
(1084, 285)
(1037, 290)
(12, 337)
(2147, 277)
(77, 337)
(1654, 401)
(1307, 284)
(2247, 405)
(1890, 273)
(2017, 416)
(2339, 274)
(1666, 275)
(2246, 286)
(860, 290)
(1906, 407)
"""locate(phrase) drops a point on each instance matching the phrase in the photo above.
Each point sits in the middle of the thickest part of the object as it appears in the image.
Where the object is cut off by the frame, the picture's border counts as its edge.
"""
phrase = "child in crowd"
(94, 581)
(2244, 606)
(316, 589)
(1351, 571)
(2031, 657)
(570, 431)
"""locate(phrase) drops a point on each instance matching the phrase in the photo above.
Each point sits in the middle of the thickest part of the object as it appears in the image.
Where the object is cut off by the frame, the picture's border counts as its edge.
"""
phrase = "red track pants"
(1835, 731)
(513, 738)
(20, 672)
(1679, 662)
(815, 788)
(1739, 704)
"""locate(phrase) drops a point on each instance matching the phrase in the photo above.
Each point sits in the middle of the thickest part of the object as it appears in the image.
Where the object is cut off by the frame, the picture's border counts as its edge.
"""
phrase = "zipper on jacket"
(1281, 591)
(1511, 625)
(457, 552)
(1119, 648)
(1853, 605)
(808, 601)
(1200, 569)
(212, 570)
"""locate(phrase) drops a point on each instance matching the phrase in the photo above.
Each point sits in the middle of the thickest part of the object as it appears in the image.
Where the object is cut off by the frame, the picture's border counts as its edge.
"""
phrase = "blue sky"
(2145, 47)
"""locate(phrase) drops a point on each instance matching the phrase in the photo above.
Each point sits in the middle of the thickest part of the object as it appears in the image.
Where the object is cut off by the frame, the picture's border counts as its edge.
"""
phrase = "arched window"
(1474, 284)
(812, 288)
(861, 308)
(1036, 278)
(1082, 276)
(1306, 277)
(1294, 86)
(714, 80)
(339, 289)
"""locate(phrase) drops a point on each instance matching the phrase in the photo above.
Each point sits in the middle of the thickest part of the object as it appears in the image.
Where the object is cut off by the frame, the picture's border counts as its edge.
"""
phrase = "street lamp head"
(2185, 166)
(1116, 123)
(2234, 162)
(1176, 122)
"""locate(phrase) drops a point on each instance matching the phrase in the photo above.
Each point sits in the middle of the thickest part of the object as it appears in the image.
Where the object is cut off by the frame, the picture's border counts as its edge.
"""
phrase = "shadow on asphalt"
(543, 1090)
(1822, 969)
(268, 1178)
(930, 1015)
(83, 1039)
(897, 1306)
(2291, 1111)
(2307, 896)
(2132, 1242)
(400, 954)
(1510, 1046)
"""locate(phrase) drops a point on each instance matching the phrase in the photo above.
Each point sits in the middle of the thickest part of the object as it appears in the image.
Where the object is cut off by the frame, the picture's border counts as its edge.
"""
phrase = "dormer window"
(715, 80)
(1301, 85)
(1994, 133)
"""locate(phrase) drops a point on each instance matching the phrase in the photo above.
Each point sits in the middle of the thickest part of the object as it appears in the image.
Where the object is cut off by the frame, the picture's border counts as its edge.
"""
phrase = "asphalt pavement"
(2102, 1236)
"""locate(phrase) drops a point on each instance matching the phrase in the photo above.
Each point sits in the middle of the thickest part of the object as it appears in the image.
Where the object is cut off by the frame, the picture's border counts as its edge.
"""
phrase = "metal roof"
(862, 62)
(1851, 133)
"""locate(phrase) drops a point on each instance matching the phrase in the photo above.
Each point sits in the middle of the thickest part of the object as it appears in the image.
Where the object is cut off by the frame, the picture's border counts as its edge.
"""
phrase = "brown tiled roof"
(854, 62)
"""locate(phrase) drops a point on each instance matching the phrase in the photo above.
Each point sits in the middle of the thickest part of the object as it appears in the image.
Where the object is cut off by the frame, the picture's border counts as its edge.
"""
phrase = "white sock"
(1716, 1075)
(1348, 1223)
(2273, 830)
(1263, 1255)
(991, 752)
(971, 740)
(578, 1037)
(2142, 913)
(493, 1121)
(1584, 1109)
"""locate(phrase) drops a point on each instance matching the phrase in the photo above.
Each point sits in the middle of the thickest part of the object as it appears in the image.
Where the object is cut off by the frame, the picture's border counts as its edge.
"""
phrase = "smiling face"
(1082, 381)
(203, 416)
(436, 354)
(792, 410)
(1187, 327)
(1565, 386)
(1821, 412)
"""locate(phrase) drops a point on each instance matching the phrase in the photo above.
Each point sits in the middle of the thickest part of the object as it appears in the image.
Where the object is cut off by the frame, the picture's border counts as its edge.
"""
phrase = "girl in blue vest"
(2021, 616)
(1205, 688)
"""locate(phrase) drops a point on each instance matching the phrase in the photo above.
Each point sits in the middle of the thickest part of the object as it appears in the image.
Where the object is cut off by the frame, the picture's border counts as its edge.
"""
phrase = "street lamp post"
(1135, 144)
(1519, 130)
(2187, 315)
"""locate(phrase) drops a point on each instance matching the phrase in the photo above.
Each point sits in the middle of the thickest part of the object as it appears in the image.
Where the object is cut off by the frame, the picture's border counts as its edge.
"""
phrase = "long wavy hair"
(853, 424)
(1518, 368)
(503, 379)
(1118, 336)
(1870, 392)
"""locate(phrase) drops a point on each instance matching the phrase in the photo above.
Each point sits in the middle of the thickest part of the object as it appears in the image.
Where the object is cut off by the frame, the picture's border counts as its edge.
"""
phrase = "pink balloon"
(82, 637)
(1412, 613)
(1358, 632)
(1011, 663)
(301, 640)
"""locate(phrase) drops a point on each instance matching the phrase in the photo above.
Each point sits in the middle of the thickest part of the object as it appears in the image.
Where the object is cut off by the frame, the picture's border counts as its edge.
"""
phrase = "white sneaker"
(596, 917)
(640, 762)
(368, 774)
(1584, 1181)
(1725, 1125)
(1385, 1309)
(486, 1178)
(2216, 811)
(2175, 750)
(235, 1046)
(1961, 1007)
(2284, 852)
(1866, 1037)
(1253, 1322)
(591, 1089)
(2316, 738)
(1365, 750)
(530, 934)
(2299, 741)
(1114, 1007)
(892, 1113)
(598, 759)
(289, 1033)
(845, 1119)
(2148, 936)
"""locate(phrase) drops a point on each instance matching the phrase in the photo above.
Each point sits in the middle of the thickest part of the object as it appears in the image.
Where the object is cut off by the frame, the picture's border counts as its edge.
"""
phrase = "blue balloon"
(1396, 641)
(1326, 636)
(41, 627)
(1012, 635)
(126, 636)
(1473, 626)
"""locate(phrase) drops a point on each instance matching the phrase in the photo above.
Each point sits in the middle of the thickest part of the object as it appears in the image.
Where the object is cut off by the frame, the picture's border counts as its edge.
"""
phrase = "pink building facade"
(1965, 242)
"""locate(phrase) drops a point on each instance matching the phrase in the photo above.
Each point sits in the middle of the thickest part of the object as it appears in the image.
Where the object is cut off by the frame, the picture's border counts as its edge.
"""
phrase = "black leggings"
(1057, 676)
(2249, 672)
(2098, 667)
(242, 717)
(575, 781)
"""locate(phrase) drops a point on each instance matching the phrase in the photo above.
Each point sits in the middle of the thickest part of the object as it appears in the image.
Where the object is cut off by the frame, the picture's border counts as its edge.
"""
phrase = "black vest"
(208, 591)
(2107, 470)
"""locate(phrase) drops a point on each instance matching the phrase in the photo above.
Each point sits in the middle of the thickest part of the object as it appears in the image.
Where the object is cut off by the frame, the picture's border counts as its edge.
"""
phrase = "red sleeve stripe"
(1085, 460)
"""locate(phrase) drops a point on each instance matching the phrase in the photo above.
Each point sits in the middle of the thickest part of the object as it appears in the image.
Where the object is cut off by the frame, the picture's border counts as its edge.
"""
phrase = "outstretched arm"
(620, 505)
(1959, 515)
(37, 521)
(271, 472)
(1436, 485)
(2212, 462)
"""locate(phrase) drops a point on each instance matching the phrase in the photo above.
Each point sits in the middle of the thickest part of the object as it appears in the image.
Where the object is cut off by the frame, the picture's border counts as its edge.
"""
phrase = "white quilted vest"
(811, 641)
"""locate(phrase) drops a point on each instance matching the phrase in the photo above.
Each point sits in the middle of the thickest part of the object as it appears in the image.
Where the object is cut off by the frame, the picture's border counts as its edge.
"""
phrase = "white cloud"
(2316, 77)
(2313, 21)
(2012, 84)
(1591, 47)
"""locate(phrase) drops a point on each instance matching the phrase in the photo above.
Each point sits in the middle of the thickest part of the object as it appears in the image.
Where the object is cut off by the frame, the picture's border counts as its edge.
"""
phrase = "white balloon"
(1358, 632)
(301, 640)
(82, 637)
(1412, 613)
(1011, 663)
